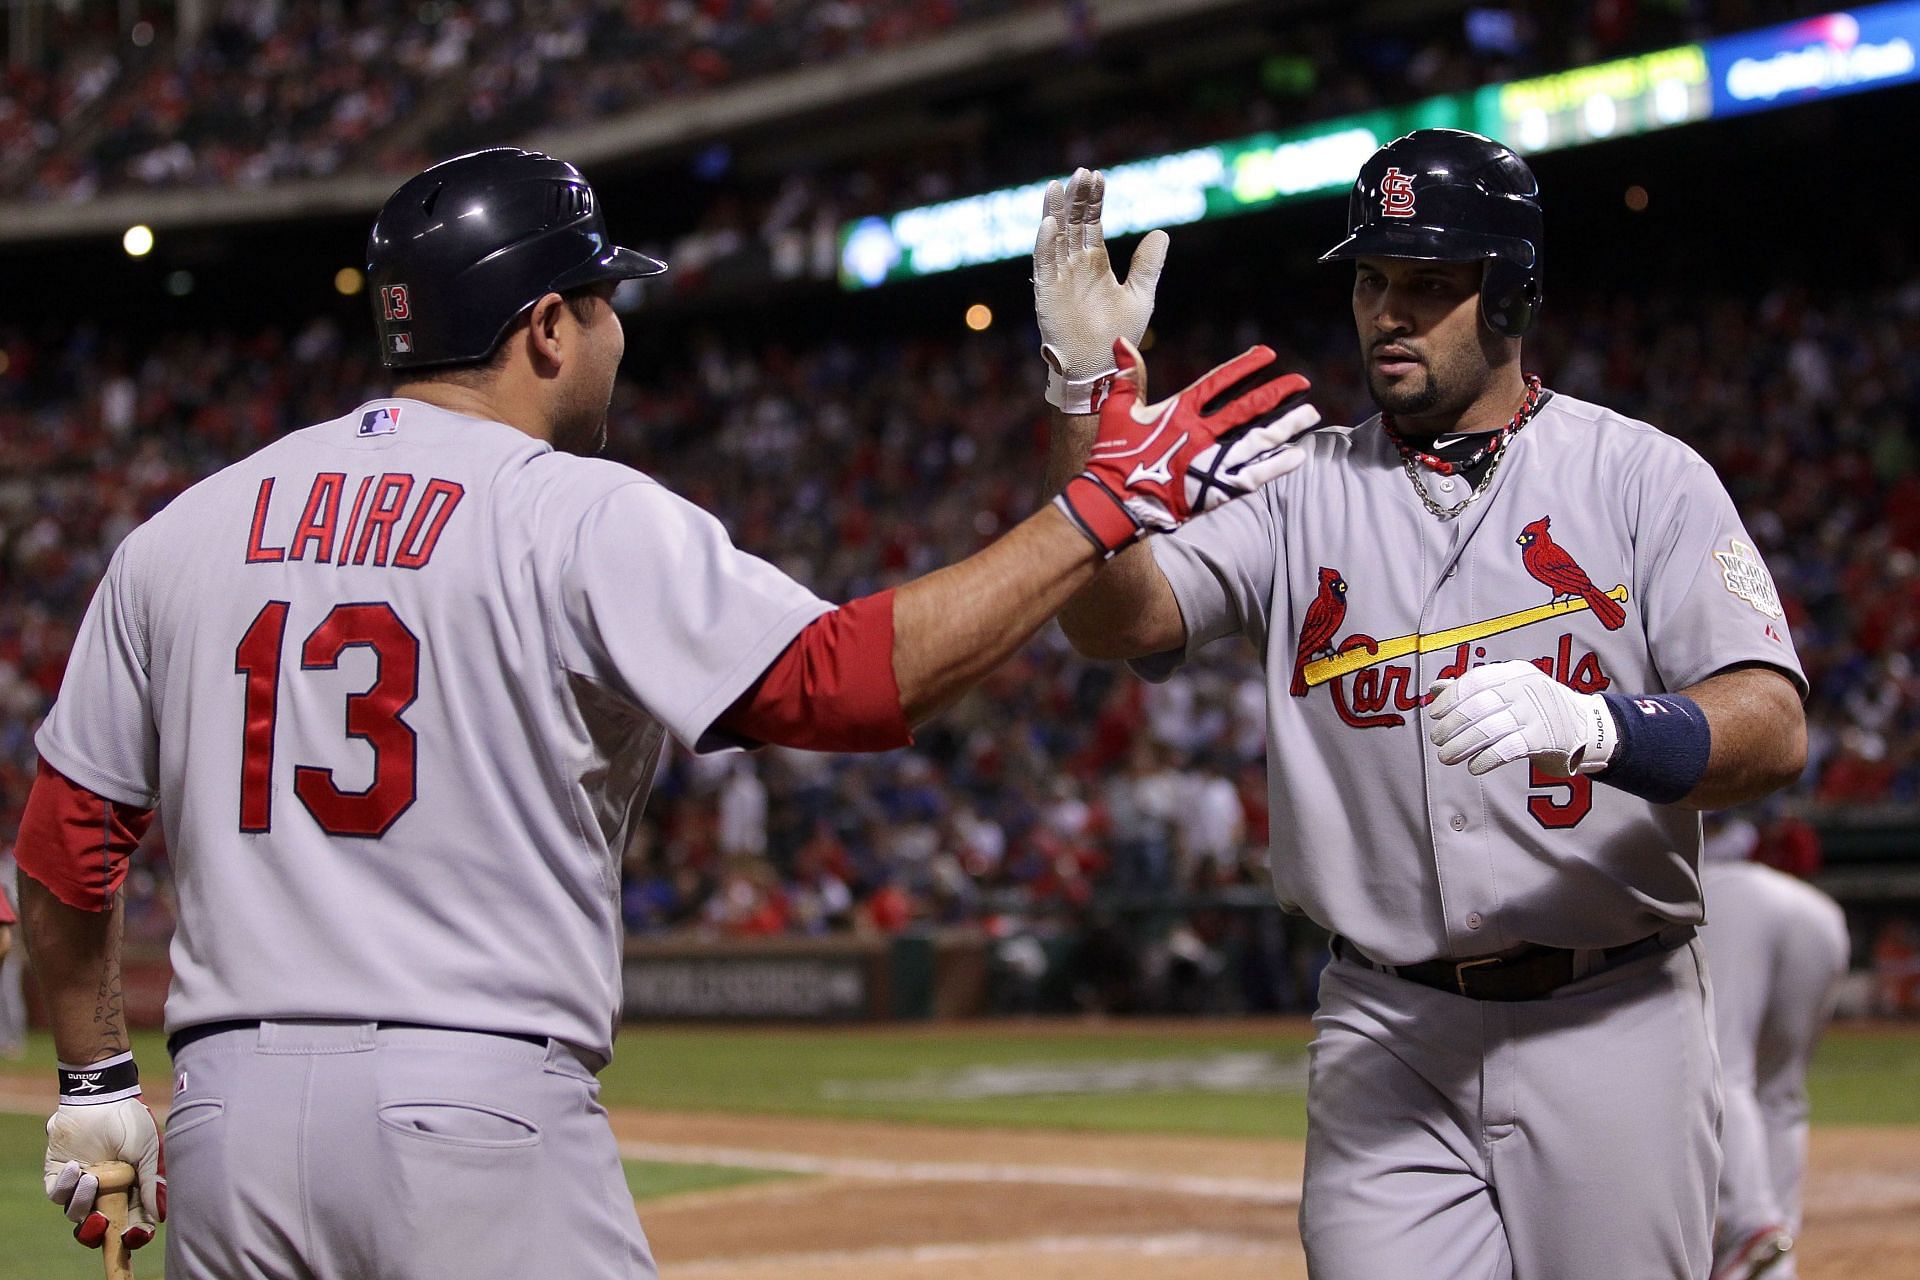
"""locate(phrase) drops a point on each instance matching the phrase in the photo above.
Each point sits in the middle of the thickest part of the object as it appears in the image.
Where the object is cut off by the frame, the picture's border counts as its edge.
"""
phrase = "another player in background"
(1777, 948)
(7, 921)
(397, 684)
(13, 1005)
(1513, 1069)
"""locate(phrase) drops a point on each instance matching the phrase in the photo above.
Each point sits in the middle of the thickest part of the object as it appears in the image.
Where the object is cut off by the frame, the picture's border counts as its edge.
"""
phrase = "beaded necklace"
(1494, 448)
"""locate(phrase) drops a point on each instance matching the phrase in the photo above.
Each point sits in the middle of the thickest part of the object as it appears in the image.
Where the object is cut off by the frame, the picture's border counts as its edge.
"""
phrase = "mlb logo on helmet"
(1396, 194)
(380, 422)
(402, 343)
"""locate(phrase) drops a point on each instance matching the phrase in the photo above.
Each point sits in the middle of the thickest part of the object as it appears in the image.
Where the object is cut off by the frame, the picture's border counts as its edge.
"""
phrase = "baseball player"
(397, 684)
(1513, 642)
(1777, 948)
(13, 1004)
(7, 921)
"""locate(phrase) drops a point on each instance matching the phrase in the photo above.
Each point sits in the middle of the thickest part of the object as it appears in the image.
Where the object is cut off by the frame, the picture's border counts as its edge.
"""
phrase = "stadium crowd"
(267, 91)
(270, 91)
(1062, 785)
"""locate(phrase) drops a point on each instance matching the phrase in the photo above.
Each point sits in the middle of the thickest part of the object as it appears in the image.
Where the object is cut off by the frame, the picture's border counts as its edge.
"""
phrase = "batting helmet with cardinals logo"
(1446, 195)
(461, 250)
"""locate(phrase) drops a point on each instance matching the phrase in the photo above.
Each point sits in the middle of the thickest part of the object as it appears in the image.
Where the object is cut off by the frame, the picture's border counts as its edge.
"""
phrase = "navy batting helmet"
(1450, 196)
(460, 251)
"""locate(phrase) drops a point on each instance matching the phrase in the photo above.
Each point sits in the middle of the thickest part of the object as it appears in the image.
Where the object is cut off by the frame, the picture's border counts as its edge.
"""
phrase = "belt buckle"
(1460, 968)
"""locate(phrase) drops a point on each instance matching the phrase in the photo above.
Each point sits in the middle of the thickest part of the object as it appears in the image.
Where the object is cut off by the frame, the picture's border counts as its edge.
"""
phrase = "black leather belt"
(188, 1035)
(1531, 973)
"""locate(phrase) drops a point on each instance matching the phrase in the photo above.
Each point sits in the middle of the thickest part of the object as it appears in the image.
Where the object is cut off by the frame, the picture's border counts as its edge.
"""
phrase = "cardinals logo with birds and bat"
(1383, 690)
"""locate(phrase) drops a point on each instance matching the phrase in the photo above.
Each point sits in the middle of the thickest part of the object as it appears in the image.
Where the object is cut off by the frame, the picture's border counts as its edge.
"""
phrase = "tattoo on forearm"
(108, 1011)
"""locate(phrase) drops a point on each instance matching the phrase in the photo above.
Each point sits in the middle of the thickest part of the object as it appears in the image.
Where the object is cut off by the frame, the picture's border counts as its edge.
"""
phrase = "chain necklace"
(1495, 448)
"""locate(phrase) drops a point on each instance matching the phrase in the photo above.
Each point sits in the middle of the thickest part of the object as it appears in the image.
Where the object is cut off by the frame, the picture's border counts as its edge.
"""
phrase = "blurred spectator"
(270, 92)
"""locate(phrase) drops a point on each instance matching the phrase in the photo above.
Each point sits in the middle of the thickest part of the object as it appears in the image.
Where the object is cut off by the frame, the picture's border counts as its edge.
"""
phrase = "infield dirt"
(1036, 1206)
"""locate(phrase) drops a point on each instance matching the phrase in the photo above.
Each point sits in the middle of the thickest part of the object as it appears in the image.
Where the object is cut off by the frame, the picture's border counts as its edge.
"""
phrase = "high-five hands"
(1155, 466)
(1081, 308)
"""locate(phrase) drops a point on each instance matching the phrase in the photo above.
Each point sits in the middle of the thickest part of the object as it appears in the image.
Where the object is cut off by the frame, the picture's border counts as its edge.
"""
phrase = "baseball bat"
(116, 1176)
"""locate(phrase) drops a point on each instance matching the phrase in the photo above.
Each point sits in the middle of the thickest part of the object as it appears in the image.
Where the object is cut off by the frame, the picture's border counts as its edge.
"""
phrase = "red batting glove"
(1156, 466)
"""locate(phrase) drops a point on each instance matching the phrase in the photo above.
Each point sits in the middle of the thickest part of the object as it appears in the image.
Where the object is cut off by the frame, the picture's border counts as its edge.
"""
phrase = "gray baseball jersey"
(398, 683)
(1605, 552)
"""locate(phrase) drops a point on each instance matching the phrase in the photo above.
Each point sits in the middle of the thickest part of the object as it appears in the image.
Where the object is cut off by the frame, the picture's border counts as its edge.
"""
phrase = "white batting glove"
(82, 1133)
(1507, 711)
(1081, 308)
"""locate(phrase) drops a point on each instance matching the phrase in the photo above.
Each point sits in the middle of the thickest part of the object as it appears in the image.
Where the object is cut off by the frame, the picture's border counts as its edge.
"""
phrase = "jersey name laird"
(395, 521)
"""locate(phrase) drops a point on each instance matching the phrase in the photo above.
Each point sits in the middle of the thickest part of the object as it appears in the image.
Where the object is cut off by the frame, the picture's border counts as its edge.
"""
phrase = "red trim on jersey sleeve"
(832, 689)
(75, 842)
(6, 911)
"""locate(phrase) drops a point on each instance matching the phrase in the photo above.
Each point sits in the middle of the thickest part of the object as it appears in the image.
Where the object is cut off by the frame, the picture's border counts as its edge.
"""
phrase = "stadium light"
(348, 281)
(979, 317)
(138, 241)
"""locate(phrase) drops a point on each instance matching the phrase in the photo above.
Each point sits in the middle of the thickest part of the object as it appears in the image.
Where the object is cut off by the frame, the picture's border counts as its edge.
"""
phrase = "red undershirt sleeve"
(75, 842)
(832, 689)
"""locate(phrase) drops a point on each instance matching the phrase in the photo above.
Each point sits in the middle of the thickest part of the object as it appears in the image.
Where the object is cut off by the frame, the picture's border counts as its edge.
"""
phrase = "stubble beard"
(1431, 392)
(1408, 397)
(582, 427)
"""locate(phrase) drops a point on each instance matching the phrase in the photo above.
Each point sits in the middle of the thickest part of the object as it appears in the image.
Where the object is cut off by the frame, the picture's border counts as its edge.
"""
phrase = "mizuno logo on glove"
(1231, 432)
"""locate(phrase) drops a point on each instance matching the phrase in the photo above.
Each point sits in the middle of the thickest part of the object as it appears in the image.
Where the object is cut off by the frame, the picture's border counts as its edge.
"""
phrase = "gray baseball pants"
(1778, 949)
(1569, 1138)
(346, 1151)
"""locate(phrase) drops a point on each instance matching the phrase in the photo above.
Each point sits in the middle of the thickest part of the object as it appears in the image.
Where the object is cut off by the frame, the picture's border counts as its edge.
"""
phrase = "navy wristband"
(108, 1080)
(1664, 744)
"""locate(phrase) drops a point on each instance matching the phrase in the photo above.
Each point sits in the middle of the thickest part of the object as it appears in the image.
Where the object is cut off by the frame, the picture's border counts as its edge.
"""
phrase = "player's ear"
(544, 331)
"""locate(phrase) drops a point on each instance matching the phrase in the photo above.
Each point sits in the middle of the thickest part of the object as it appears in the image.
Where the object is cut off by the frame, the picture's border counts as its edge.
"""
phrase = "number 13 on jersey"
(373, 716)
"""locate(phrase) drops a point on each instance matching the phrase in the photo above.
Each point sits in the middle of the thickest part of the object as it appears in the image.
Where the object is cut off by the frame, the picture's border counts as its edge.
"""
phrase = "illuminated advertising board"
(1846, 52)
(1843, 52)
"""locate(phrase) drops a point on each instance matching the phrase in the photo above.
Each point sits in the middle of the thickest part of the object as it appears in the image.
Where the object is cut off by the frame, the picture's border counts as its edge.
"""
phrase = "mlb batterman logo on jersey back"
(1747, 578)
(383, 421)
(1396, 194)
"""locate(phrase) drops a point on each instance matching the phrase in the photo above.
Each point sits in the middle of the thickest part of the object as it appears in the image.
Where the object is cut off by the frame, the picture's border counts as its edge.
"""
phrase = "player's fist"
(1507, 711)
(1154, 466)
(82, 1134)
(1081, 308)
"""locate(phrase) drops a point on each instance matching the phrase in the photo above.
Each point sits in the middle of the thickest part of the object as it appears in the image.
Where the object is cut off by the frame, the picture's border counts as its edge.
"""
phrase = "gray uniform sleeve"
(657, 604)
(101, 732)
(1708, 600)
(1222, 568)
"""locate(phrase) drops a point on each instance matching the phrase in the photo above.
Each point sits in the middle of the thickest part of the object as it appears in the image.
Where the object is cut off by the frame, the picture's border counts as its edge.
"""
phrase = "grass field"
(33, 1238)
(977, 1075)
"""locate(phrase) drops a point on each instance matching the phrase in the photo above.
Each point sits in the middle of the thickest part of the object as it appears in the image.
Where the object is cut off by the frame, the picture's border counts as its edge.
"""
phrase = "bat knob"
(114, 1175)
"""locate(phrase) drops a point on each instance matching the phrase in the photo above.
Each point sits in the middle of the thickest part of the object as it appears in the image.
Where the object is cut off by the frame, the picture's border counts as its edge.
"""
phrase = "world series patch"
(1747, 577)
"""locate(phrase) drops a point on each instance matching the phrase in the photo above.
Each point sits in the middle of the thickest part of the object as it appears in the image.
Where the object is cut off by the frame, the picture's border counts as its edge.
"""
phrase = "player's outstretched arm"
(1729, 739)
(1149, 469)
